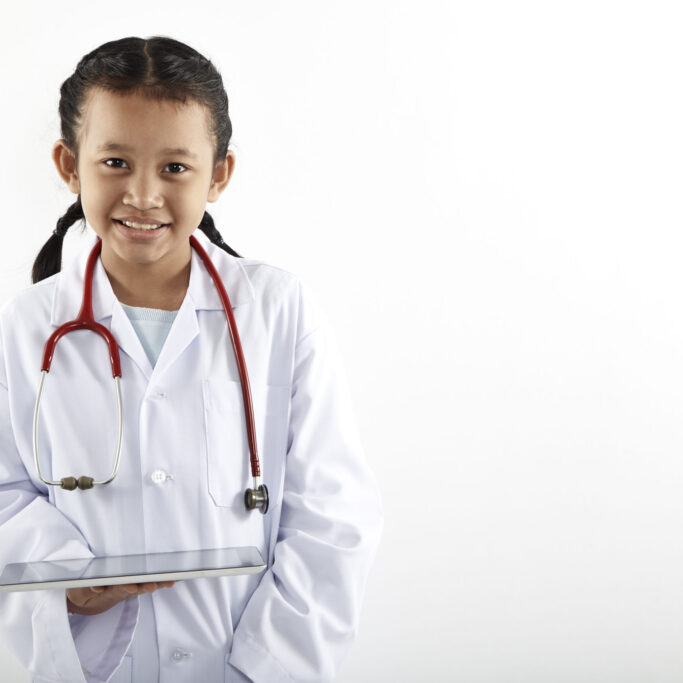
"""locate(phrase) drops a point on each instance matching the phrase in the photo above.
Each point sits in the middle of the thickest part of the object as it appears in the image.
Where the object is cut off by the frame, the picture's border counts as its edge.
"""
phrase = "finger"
(98, 589)
(139, 588)
(131, 588)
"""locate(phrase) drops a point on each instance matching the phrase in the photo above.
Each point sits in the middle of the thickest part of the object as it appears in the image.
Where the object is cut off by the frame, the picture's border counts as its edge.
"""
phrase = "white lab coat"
(184, 417)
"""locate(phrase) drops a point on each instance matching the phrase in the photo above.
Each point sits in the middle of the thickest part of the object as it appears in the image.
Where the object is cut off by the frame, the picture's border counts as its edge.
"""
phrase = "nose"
(143, 191)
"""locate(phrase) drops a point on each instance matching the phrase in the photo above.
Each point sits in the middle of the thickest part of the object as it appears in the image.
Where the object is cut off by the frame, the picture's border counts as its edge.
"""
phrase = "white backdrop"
(485, 196)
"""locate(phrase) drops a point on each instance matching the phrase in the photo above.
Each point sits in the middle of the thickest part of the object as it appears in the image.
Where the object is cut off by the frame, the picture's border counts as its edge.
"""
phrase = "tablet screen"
(104, 571)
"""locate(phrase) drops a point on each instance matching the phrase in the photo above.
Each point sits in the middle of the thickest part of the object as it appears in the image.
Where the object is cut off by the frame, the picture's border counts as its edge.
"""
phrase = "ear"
(221, 176)
(65, 161)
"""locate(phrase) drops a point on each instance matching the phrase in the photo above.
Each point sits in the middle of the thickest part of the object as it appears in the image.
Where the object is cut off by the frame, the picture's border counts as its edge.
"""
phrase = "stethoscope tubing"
(256, 497)
(239, 357)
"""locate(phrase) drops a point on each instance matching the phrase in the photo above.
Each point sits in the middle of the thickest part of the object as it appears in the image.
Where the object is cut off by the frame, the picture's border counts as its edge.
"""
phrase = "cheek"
(97, 204)
(91, 189)
(191, 202)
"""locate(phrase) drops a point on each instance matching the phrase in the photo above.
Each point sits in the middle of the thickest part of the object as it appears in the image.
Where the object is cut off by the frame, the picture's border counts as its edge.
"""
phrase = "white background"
(486, 198)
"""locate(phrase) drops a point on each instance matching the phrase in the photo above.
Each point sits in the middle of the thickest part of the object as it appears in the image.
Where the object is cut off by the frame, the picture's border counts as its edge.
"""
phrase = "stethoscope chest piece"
(257, 498)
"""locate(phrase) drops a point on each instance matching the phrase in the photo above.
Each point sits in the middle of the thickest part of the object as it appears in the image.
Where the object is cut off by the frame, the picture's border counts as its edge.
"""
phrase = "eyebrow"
(116, 147)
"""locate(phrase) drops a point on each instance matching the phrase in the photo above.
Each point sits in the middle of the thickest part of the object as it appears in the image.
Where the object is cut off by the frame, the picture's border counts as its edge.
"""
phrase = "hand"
(96, 599)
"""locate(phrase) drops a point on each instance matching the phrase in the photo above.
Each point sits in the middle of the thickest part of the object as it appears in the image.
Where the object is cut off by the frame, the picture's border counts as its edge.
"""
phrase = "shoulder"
(268, 278)
(272, 281)
(33, 302)
(250, 279)
(277, 288)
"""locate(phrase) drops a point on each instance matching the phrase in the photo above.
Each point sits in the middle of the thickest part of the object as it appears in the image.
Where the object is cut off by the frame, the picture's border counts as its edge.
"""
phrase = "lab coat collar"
(201, 295)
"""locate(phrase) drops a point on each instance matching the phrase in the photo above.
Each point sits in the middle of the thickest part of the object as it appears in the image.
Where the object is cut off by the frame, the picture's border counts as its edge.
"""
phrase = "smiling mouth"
(141, 226)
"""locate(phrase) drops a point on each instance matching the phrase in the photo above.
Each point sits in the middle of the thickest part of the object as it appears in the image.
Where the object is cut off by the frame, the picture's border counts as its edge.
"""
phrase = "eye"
(176, 168)
(116, 163)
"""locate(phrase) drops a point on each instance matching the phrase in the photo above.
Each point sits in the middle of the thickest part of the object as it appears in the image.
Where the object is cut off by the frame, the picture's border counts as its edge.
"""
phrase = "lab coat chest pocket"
(227, 445)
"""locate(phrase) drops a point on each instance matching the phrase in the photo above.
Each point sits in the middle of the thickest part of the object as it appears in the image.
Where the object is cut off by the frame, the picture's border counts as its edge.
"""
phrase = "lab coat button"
(160, 476)
(178, 655)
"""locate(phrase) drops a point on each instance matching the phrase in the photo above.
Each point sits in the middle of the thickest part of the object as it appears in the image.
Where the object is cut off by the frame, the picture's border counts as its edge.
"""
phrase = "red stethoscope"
(256, 497)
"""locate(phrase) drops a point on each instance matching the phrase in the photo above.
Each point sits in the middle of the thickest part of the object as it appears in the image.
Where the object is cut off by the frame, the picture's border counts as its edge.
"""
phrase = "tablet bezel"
(195, 564)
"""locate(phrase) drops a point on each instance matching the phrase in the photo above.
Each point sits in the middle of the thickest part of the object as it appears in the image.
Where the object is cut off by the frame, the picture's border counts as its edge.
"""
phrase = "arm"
(301, 619)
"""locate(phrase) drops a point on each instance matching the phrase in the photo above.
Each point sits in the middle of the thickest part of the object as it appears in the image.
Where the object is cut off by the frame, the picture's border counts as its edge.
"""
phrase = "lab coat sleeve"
(35, 624)
(300, 621)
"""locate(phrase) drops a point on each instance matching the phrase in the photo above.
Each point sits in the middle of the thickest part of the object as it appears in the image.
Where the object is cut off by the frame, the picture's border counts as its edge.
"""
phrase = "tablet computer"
(109, 571)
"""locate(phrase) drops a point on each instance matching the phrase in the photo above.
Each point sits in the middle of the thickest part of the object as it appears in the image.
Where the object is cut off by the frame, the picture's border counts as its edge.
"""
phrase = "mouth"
(134, 225)
(140, 231)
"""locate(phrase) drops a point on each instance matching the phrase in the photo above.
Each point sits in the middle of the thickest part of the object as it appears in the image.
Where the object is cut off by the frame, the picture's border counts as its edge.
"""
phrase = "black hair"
(159, 68)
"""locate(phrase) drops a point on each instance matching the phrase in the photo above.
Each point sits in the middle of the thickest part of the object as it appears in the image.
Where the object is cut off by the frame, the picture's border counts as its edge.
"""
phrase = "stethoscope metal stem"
(82, 482)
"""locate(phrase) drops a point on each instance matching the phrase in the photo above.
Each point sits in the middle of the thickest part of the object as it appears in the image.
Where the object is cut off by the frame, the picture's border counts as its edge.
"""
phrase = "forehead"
(136, 121)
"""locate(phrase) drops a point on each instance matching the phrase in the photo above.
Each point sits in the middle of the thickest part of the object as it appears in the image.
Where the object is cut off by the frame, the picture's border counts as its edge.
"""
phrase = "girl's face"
(146, 163)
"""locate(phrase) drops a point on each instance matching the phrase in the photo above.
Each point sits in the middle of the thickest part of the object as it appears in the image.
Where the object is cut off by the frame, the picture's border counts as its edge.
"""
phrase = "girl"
(145, 136)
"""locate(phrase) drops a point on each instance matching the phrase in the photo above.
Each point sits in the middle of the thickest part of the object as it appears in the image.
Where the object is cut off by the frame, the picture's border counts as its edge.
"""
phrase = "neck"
(157, 285)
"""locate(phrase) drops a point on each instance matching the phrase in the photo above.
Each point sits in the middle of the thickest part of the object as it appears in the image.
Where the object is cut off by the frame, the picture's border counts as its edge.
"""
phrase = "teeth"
(141, 226)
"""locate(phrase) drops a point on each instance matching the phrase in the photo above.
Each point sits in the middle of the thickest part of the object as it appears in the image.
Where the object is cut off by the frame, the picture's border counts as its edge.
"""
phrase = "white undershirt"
(152, 326)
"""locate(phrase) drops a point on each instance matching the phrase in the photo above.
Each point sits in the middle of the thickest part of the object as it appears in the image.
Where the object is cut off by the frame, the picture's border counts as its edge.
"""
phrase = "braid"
(49, 259)
(208, 227)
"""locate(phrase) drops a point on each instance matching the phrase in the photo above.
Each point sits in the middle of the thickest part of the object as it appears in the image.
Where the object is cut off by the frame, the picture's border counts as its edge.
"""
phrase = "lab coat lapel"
(181, 334)
(127, 338)
(202, 295)
(235, 279)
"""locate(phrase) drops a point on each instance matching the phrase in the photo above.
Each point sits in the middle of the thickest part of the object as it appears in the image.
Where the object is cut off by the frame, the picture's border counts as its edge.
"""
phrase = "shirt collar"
(68, 292)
